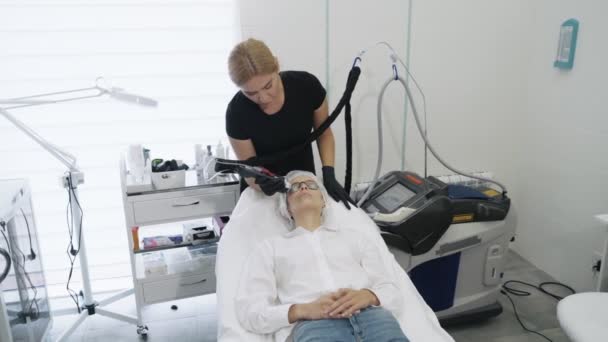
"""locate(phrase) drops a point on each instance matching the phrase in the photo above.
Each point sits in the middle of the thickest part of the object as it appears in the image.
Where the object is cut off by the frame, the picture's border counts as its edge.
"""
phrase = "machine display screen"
(392, 198)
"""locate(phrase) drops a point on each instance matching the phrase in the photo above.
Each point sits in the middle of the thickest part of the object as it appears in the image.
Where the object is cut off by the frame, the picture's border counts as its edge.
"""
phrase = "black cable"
(349, 147)
(353, 77)
(71, 251)
(71, 257)
(540, 287)
(8, 245)
(6, 256)
(7, 267)
(32, 255)
(506, 290)
(73, 193)
(519, 320)
(34, 301)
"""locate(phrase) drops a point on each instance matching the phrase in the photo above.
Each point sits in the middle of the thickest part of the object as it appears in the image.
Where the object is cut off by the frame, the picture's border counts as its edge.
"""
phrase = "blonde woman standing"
(274, 111)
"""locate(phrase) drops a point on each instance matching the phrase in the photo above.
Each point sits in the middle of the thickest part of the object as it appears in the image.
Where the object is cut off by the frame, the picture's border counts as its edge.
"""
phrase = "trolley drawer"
(183, 208)
(179, 287)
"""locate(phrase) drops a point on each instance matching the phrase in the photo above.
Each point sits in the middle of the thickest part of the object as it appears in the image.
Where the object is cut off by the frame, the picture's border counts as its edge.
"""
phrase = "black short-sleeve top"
(290, 126)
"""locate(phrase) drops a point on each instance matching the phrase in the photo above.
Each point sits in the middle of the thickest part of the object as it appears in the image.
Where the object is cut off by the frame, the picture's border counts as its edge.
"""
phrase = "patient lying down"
(317, 282)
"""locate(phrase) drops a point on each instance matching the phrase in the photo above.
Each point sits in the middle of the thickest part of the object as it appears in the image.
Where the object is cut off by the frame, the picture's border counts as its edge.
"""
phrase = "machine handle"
(396, 216)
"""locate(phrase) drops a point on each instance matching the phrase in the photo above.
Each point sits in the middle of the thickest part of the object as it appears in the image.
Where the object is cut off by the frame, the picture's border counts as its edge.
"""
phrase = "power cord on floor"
(506, 290)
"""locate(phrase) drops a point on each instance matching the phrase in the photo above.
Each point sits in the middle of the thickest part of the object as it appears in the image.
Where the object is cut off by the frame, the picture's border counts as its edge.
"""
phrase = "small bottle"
(135, 234)
(136, 162)
(197, 155)
(219, 150)
(199, 166)
(209, 166)
(227, 152)
(203, 166)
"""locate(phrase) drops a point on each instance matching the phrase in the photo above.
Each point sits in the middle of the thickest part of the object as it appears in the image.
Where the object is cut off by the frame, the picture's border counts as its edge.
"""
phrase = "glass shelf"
(191, 182)
(185, 244)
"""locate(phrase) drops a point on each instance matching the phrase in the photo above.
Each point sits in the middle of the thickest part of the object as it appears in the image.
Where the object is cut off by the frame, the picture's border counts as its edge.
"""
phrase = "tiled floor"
(537, 311)
(195, 319)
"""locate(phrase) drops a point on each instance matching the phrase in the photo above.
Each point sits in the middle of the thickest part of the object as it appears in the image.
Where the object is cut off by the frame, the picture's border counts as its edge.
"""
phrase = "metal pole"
(79, 236)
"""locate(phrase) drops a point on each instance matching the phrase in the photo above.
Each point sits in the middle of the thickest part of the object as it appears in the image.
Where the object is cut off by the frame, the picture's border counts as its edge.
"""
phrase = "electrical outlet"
(596, 263)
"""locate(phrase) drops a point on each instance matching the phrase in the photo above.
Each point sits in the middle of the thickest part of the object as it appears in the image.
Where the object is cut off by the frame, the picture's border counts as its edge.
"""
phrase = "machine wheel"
(142, 331)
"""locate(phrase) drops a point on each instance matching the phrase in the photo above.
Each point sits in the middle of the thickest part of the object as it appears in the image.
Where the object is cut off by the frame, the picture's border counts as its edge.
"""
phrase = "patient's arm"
(349, 302)
(381, 292)
(318, 309)
(382, 286)
(257, 306)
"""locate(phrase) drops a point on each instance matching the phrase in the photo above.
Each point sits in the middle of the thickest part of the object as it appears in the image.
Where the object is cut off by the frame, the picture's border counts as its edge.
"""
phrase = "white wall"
(467, 57)
(302, 21)
(463, 61)
(495, 102)
(564, 165)
(296, 32)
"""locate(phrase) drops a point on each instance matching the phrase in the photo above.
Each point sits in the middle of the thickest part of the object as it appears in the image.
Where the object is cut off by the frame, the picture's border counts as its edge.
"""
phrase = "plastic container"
(169, 179)
(183, 260)
(154, 264)
(135, 162)
(152, 242)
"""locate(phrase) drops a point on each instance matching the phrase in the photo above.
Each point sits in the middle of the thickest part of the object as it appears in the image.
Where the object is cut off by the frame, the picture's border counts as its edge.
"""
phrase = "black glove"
(335, 190)
(271, 184)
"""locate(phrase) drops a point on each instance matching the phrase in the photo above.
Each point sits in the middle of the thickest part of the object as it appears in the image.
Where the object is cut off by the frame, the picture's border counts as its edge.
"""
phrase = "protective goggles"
(310, 184)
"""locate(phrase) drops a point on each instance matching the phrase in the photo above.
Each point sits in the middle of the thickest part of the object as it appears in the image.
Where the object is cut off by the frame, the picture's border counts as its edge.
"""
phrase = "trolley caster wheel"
(142, 331)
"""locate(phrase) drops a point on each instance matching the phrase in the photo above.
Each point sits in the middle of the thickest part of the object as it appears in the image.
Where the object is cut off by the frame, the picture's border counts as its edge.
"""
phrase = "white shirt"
(301, 266)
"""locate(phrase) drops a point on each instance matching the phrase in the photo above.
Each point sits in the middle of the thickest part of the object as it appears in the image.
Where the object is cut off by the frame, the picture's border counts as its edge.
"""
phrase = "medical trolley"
(149, 211)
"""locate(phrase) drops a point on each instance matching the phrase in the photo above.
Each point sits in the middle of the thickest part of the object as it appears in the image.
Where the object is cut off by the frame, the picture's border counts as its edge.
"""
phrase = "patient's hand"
(318, 309)
(349, 301)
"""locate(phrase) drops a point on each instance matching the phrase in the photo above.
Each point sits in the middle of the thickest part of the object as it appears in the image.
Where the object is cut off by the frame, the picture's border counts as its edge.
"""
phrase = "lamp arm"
(64, 157)
(39, 99)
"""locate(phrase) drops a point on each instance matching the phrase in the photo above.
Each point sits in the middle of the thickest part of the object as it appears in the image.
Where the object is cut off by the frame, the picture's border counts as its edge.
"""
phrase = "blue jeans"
(372, 324)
